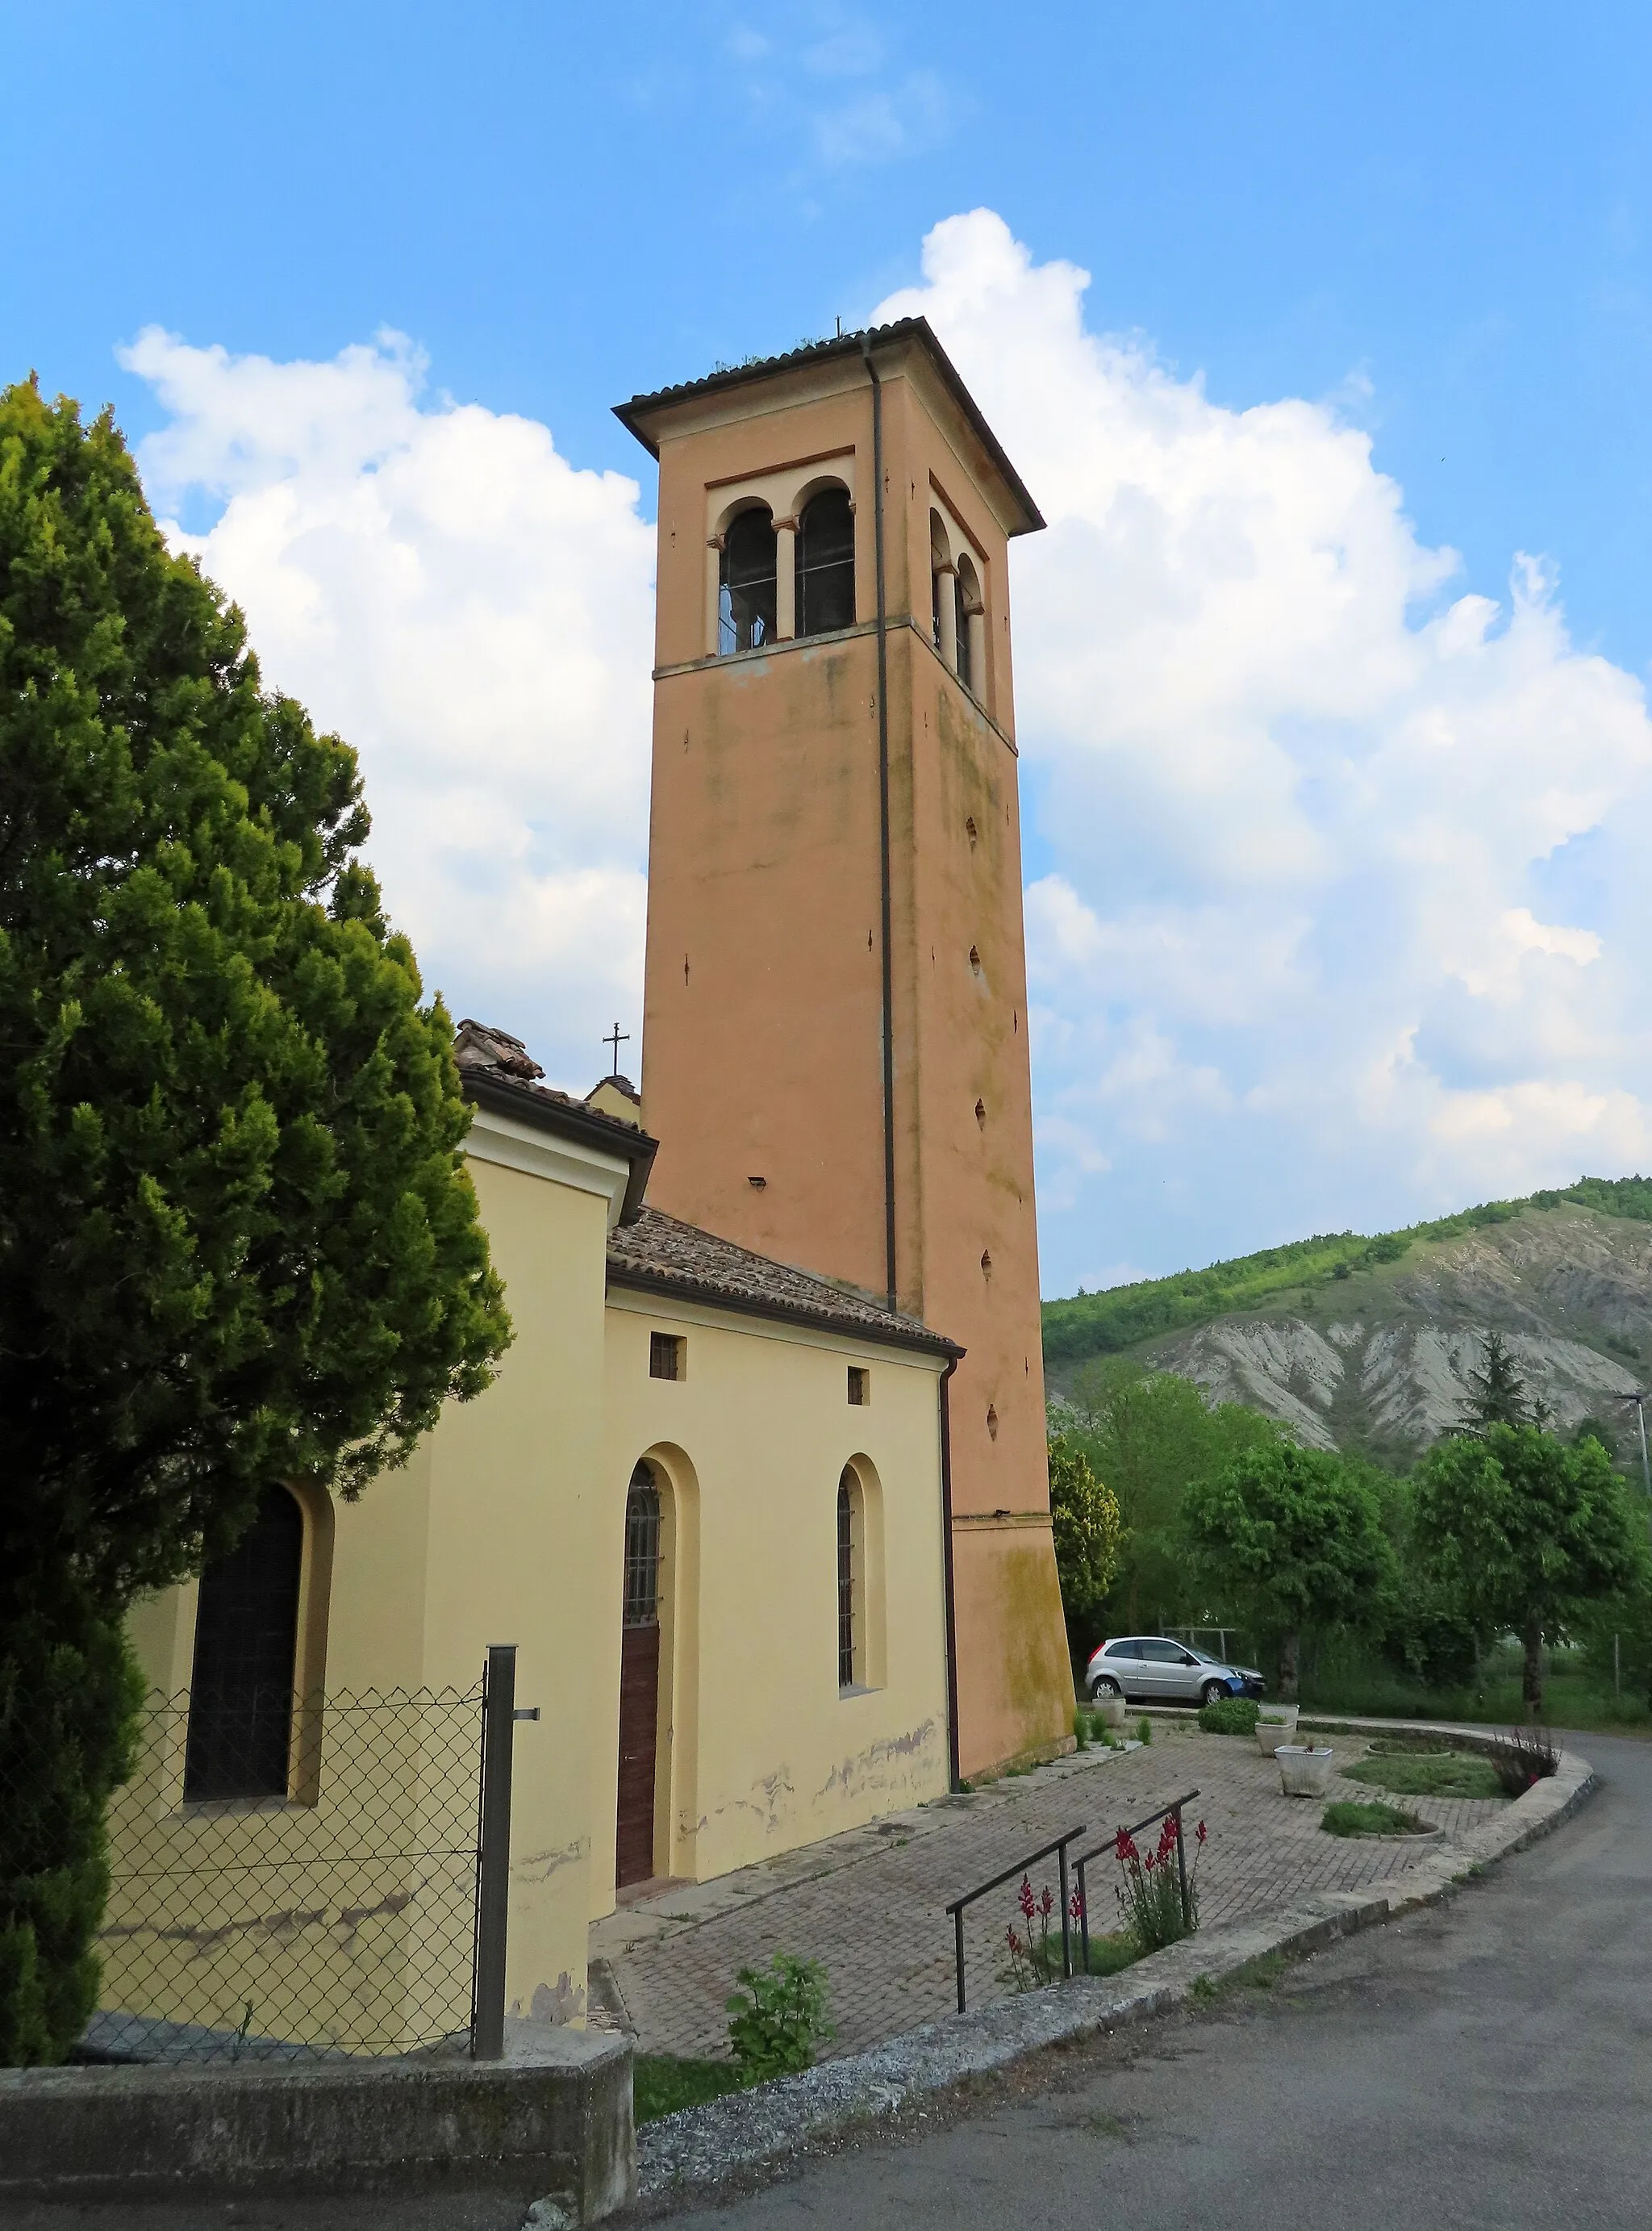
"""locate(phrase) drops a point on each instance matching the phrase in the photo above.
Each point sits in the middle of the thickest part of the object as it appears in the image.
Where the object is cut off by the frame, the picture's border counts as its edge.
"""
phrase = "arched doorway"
(639, 1702)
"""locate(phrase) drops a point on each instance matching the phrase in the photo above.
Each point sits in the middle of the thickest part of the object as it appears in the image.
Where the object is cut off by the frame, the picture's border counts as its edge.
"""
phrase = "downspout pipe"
(883, 855)
(952, 1772)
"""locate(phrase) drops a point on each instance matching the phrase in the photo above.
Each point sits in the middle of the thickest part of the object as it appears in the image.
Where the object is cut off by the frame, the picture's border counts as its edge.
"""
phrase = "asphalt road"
(1485, 2064)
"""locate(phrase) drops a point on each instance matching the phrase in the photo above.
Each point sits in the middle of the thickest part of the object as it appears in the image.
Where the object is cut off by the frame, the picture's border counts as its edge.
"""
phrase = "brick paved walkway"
(870, 1903)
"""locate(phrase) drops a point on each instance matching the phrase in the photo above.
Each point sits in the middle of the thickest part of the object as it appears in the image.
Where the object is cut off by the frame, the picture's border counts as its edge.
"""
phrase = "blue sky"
(1348, 934)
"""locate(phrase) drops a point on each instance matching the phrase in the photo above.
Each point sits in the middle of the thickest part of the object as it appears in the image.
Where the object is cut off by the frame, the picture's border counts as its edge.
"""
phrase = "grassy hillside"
(1086, 1325)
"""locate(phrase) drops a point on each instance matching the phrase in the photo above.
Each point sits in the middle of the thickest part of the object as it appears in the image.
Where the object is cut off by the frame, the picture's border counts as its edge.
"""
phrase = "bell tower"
(834, 1028)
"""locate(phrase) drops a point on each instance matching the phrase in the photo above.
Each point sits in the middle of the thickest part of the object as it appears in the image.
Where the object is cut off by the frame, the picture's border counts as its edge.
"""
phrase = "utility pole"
(1639, 1401)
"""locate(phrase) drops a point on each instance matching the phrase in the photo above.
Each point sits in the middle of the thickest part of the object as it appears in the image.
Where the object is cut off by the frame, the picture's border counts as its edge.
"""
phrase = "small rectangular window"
(668, 1355)
(860, 1386)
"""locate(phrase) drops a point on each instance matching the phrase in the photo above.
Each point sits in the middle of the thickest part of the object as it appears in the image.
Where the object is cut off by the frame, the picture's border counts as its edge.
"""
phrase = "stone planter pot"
(1110, 1710)
(1303, 1771)
(1279, 1728)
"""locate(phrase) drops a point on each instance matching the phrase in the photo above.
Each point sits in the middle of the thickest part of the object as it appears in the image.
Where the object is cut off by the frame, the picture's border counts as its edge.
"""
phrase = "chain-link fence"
(294, 1877)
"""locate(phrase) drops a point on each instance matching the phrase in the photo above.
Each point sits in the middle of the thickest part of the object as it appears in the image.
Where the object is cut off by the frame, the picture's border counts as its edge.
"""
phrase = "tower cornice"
(649, 416)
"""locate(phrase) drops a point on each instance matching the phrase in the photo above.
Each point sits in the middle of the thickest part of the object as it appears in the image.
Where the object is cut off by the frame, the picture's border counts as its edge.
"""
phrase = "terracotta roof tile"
(659, 1254)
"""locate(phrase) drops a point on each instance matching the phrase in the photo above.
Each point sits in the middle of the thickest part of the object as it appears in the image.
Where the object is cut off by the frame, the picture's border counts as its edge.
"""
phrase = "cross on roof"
(617, 1038)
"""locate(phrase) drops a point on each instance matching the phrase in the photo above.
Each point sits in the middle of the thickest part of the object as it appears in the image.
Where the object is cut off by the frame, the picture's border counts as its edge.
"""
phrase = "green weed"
(661, 2083)
(1344, 1818)
(1453, 1773)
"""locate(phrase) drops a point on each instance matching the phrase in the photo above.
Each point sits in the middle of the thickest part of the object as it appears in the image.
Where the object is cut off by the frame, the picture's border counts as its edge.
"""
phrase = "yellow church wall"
(487, 1536)
(517, 1553)
(758, 1751)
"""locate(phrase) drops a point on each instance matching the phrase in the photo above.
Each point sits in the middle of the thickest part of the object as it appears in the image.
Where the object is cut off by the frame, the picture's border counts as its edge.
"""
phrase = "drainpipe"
(883, 838)
(953, 1776)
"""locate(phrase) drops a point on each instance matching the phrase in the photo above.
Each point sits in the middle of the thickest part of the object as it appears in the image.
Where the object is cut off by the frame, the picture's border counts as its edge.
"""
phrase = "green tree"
(1088, 1531)
(1149, 1434)
(1297, 1536)
(1525, 1533)
(237, 1243)
(1497, 1394)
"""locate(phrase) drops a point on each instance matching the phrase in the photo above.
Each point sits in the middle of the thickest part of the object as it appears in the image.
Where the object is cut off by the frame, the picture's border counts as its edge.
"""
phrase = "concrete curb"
(554, 2117)
(702, 2144)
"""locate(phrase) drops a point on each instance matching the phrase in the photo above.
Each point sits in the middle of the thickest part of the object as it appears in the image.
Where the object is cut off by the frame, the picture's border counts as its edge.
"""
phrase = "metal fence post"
(494, 1871)
(1181, 1869)
(1067, 1924)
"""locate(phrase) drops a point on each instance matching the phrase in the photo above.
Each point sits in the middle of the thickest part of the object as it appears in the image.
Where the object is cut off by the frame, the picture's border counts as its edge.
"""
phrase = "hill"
(1365, 1343)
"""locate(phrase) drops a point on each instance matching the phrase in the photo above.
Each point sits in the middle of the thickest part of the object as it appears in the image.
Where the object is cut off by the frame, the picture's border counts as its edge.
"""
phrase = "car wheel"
(1214, 1692)
(1104, 1685)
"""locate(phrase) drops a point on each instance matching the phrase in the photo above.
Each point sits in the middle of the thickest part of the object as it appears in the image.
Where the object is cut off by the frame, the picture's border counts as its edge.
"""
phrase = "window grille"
(746, 589)
(643, 1550)
(860, 1386)
(666, 1356)
(845, 1582)
(246, 1642)
(826, 564)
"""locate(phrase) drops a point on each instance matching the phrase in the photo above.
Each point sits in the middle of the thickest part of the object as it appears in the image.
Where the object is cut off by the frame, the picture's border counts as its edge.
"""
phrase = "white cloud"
(1343, 919)
(1339, 916)
(475, 616)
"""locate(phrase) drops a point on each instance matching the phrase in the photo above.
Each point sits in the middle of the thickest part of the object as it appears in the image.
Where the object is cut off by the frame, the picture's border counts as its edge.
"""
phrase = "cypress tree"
(237, 1243)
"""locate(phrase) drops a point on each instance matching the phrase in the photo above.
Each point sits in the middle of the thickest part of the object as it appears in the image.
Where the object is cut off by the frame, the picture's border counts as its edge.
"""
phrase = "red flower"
(1076, 1906)
(1125, 1849)
(1028, 1902)
(1199, 1832)
(1047, 1903)
(1150, 1861)
(1013, 1941)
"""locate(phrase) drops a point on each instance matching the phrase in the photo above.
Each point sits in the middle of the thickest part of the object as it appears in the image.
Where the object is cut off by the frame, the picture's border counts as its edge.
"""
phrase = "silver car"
(1150, 1668)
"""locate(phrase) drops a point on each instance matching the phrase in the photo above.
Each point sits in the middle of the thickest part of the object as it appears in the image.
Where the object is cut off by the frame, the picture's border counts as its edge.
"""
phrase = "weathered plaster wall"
(760, 1752)
(490, 1535)
(763, 1012)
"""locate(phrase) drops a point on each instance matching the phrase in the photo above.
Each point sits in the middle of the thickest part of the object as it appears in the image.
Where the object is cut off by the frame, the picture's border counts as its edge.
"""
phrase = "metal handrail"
(1019, 1867)
(1078, 1864)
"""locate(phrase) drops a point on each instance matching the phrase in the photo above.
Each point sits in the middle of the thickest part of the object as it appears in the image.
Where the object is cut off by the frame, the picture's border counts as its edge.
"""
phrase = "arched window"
(847, 1638)
(826, 563)
(939, 560)
(968, 594)
(643, 1549)
(246, 1643)
(745, 600)
(639, 1696)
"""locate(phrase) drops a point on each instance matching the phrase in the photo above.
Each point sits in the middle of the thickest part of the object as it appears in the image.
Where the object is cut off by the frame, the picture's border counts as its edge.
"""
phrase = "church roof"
(632, 415)
(657, 1254)
(498, 1072)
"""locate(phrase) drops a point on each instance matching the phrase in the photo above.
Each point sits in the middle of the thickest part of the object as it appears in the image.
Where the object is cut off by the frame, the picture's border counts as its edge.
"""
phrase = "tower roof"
(639, 415)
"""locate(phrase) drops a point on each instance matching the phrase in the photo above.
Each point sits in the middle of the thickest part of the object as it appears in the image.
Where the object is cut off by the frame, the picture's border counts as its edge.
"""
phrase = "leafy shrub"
(779, 2018)
(1230, 1715)
(1522, 1756)
(1343, 1819)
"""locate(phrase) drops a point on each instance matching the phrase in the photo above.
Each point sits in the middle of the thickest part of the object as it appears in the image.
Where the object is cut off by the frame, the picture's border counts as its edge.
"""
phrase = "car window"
(1161, 1652)
(1121, 1649)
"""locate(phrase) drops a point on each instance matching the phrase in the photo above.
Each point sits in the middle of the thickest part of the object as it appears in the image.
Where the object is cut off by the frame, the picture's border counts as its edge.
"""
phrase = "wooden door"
(639, 1698)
